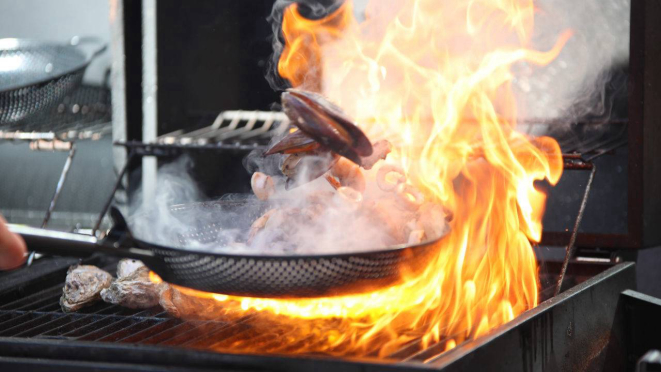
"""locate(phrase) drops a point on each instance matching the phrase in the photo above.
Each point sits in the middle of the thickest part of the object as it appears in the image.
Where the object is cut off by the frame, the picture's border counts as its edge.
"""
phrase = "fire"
(434, 78)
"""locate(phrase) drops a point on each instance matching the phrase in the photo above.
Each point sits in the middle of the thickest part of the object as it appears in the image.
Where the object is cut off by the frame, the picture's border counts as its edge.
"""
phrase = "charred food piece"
(324, 122)
(132, 289)
(83, 287)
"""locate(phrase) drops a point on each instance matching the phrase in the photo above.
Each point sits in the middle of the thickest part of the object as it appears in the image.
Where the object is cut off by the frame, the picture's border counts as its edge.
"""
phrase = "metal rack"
(240, 131)
(231, 130)
(85, 114)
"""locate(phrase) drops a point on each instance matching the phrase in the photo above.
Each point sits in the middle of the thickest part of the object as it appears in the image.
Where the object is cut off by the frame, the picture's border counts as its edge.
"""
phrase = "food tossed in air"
(327, 145)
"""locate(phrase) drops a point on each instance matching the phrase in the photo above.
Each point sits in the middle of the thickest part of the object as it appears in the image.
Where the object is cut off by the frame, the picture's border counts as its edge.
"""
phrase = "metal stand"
(58, 189)
(571, 247)
(122, 172)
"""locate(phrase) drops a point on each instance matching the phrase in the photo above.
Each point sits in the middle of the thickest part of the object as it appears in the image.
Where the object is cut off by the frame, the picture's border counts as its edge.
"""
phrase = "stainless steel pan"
(34, 75)
(238, 274)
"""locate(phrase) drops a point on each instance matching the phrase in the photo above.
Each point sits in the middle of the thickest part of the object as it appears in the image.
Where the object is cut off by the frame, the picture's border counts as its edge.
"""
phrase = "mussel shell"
(302, 168)
(292, 143)
(326, 123)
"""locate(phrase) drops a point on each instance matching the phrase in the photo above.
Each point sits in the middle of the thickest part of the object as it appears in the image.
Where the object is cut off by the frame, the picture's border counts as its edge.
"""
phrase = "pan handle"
(99, 45)
(77, 245)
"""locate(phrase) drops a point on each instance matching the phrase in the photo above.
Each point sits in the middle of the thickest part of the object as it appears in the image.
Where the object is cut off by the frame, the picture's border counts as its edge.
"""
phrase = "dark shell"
(303, 168)
(292, 143)
(326, 123)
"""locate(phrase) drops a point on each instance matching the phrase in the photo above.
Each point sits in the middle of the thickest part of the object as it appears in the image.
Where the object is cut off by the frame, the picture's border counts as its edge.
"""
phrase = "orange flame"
(434, 78)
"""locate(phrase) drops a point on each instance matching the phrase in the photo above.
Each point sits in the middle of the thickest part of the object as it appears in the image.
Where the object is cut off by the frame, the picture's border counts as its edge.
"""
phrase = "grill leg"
(572, 241)
(122, 172)
(56, 195)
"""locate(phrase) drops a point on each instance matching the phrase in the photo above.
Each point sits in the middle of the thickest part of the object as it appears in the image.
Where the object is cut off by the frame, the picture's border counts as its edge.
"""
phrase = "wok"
(34, 75)
(277, 276)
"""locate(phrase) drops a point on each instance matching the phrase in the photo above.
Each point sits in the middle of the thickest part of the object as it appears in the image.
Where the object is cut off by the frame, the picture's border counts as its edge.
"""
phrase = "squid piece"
(381, 214)
(433, 221)
(381, 149)
(389, 177)
(416, 237)
(409, 197)
(262, 185)
(132, 288)
(83, 287)
(348, 197)
(258, 224)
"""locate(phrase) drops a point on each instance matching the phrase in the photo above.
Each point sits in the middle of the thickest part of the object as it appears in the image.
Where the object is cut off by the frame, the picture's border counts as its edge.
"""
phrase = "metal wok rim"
(390, 249)
(18, 44)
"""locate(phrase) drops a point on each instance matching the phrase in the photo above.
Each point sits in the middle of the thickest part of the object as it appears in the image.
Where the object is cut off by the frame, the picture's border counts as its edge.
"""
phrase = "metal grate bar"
(220, 332)
(25, 302)
(200, 331)
(166, 334)
(231, 130)
(125, 332)
(94, 326)
(119, 324)
(74, 324)
(226, 336)
(45, 327)
(141, 335)
(24, 323)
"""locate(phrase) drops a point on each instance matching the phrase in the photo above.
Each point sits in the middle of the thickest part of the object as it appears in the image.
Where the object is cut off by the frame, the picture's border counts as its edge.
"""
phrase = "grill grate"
(230, 130)
(33, 330)
(37, 315)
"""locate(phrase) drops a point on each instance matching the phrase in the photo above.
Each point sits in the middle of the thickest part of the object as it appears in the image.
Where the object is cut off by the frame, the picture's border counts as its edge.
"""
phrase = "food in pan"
(365, 190)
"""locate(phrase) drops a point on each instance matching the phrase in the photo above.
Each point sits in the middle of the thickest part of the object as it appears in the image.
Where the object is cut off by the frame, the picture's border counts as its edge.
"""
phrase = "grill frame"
(174, 343)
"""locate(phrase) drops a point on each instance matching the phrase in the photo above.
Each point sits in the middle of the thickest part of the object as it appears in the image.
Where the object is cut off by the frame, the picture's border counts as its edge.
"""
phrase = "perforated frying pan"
(35, 74)
(280, 276)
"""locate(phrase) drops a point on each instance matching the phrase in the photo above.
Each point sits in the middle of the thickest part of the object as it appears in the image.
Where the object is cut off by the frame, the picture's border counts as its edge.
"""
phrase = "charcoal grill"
(587, 325)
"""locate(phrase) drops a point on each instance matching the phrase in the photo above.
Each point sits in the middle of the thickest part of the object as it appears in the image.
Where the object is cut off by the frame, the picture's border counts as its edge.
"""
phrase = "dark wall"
(212, 57)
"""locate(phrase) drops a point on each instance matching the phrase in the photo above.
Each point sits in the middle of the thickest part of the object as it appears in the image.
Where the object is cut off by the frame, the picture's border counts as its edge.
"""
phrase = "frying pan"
(34, 75)
(281, 276)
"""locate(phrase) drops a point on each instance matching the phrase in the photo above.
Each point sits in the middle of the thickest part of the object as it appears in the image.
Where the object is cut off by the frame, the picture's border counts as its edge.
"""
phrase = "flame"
(433, 78)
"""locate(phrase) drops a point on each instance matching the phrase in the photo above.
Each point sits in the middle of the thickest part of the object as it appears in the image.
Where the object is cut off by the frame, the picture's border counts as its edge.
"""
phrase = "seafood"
(132, 288)
(328, 144)
(349, 174)
(325, 134)
(262, 185)
(389, 177)
(83, 287)
(324, 122)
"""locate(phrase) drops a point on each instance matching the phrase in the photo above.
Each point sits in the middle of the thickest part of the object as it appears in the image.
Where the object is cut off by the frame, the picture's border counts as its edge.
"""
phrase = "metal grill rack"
(85, 114)
(231, 130)
(34, 312)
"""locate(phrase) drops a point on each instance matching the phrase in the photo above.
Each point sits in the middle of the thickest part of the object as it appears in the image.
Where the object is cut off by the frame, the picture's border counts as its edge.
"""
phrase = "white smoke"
(573, 86)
